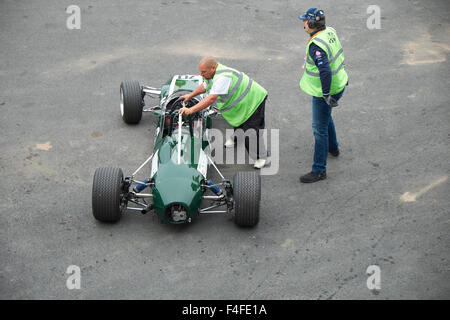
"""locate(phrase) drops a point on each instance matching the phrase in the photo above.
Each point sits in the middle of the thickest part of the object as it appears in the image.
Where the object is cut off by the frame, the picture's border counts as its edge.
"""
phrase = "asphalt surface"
(385, 202)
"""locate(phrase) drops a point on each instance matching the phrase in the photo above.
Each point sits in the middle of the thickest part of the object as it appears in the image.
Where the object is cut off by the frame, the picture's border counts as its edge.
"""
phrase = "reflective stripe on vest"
(238, 83)
(330, 60)
(225, 98)
(244, 95)
(316, 74)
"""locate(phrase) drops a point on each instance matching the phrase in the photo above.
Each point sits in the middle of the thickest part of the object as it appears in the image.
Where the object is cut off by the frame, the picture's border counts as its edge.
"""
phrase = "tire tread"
(106, 190)
(247, 196)
(132, 101)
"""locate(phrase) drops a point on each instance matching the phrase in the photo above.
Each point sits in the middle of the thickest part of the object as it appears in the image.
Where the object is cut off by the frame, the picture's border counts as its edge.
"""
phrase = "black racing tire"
(106, 194)
(131, 102)
(247, 198)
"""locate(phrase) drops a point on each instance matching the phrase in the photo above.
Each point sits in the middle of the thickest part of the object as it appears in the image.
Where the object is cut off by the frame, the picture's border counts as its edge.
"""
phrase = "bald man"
(240, 100)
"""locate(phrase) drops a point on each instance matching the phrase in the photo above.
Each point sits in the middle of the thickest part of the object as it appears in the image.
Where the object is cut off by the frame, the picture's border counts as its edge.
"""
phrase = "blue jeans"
(324, 132)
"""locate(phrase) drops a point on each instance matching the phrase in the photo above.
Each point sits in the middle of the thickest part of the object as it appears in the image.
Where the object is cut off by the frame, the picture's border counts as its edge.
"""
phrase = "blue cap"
(309, 14)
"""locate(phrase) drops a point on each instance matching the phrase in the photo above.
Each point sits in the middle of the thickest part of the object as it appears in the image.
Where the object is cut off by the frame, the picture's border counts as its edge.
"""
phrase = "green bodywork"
(178, 181)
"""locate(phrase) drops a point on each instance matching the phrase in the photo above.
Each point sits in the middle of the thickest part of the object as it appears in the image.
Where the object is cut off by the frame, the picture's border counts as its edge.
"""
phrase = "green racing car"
(177, 187)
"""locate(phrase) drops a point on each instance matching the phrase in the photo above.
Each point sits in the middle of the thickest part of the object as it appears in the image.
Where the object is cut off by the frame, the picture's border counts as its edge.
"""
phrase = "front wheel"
(131, 102)
(107, 194)
(247, 197)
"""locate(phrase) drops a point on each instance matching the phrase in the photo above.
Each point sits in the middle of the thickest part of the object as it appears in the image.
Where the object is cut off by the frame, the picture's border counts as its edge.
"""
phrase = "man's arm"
(221, 86)
(203, 104)
(200, 89)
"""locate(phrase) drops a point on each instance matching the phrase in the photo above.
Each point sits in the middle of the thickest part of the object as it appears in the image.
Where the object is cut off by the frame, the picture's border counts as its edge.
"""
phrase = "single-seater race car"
(177, 187)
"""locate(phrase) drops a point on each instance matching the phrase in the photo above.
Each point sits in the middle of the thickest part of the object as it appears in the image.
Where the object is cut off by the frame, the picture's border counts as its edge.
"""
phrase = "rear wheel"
(107, 194)
(247, 197)
(131, 102)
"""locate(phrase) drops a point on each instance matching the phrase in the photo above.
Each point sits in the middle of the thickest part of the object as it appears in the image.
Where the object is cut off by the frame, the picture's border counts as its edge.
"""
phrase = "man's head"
(207, 67)
(313, 19)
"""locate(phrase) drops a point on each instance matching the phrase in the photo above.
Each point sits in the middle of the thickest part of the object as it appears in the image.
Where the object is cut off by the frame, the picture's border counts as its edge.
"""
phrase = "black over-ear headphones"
(312, 21)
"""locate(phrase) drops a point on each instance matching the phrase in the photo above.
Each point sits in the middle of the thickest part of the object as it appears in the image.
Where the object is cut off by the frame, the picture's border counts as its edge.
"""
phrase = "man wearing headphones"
(324, 79)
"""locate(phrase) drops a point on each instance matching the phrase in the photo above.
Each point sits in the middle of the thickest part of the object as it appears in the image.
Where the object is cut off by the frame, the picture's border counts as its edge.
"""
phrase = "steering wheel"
(178, 104)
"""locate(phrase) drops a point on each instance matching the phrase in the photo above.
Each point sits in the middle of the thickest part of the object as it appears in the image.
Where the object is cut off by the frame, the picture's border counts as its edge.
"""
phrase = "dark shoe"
(313, 177)
(334, 153)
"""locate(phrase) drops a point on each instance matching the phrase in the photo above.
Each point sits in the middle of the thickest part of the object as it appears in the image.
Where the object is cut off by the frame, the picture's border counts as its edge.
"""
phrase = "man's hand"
(332, 102)
(186, 111)
(203, 104)
(184, 98)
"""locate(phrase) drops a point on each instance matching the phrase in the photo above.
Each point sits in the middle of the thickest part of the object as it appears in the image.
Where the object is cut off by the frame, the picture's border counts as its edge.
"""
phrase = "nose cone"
(177, 190)
(178, 185)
